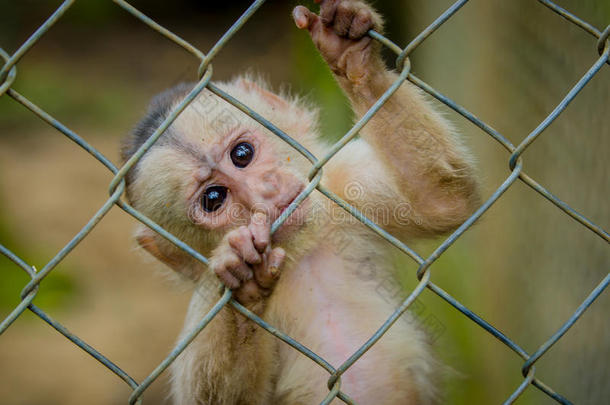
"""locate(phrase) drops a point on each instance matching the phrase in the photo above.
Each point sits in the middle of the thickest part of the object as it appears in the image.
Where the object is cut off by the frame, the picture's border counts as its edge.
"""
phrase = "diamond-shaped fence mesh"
(8, 73)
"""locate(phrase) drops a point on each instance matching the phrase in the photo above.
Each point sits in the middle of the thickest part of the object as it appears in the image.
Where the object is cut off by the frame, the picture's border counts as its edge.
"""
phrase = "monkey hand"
(245, 262)
(339, 33)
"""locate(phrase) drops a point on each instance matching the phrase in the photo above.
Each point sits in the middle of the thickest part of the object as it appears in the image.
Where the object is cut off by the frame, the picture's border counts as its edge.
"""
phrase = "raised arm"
(430, 169)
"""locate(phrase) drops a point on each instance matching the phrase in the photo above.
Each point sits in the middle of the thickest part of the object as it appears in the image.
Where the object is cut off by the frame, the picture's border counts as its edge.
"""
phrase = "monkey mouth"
(284, 206)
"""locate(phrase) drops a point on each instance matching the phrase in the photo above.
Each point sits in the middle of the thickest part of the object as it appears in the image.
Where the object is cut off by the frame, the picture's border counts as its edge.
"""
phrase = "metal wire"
(8, 73)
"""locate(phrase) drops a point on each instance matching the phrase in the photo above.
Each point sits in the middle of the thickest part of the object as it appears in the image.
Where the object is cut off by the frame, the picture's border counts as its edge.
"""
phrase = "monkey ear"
(165, 252)
(273, 99)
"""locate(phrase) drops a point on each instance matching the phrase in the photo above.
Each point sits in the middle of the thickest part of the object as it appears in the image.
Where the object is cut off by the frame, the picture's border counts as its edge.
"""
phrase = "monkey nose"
(270, 184)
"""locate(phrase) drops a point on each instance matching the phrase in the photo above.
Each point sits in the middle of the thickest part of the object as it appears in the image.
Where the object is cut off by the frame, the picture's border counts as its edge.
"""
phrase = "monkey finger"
(241, 240)
(344, 15)
(361, 23)
(242, 272)
(328, 8)
(222, 263)
(248, 293)
(260, 228)
(228, 279)
(303, 18)
(267, 273)
(275, 259)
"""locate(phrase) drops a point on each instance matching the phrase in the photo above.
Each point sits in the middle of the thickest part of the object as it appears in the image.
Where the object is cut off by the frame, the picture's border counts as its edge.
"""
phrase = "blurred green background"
(525, 267)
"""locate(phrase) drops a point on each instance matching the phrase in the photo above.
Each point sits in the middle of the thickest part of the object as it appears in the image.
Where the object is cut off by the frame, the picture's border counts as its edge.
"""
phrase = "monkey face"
(242, 174)
(214, 167)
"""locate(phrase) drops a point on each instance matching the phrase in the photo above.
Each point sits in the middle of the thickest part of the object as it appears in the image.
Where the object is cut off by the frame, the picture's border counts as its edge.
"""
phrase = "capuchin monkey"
(217, 179)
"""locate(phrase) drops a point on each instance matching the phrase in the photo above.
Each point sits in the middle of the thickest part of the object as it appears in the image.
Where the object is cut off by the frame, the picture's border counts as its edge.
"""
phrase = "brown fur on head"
(194, 154)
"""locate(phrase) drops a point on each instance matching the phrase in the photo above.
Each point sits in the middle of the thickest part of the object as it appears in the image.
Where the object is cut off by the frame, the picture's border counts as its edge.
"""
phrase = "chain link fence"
(8, 73)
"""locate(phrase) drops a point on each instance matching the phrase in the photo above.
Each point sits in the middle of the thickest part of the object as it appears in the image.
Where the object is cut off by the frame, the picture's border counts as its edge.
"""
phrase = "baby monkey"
(217, 179)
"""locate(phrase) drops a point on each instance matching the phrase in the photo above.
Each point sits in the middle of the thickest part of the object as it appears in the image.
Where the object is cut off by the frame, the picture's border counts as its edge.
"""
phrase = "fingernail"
(277, 257)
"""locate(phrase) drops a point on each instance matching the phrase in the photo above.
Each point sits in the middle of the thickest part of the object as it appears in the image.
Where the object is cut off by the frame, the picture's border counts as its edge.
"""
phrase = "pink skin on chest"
(320, 277)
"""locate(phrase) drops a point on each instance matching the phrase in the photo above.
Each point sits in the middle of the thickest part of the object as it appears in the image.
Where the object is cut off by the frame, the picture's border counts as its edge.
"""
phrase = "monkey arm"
(430, 168)
(415, 152)
(230, 361)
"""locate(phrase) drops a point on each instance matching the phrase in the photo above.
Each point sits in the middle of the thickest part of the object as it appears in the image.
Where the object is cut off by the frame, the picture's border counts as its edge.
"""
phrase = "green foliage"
(53, 88)
(56, 290)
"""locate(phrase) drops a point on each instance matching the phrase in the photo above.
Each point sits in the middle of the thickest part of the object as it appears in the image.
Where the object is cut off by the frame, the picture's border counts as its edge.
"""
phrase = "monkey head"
(215, 167)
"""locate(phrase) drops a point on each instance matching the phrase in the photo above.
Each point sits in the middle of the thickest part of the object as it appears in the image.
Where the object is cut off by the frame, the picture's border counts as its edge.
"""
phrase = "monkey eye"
(242, 154)
(213, 197)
